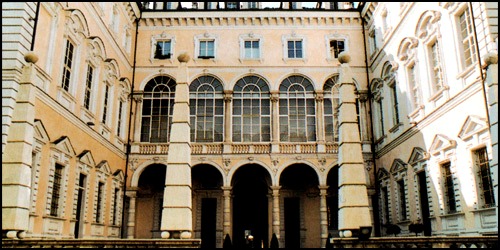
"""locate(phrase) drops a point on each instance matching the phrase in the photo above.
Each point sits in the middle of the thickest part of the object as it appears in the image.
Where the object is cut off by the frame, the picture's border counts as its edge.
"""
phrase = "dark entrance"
(150, 202)
(292, 222)
(333, 201)
(424, 203)
(208, 222)
(79, 205)
(250, 206)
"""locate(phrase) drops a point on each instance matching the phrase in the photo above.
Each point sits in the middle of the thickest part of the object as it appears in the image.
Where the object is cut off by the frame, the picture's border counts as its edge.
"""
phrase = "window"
(163, 50)
(297, 110)
(294, 49)
(98, 209)
(88, 88)
(385, 205)
(251, 110)
(119, 124)
(253, 5)
(331, 111)
(414, 87)
(105, 106)
(68, 61)
(336, 46)
(451, 204)
(402, 200)
(390, 79)
(436, 71)
(379, 108)
(56, 190)
(116, 206)
(157, 108)
(485, 184)
(206, 109)
(252, 49)
(467, 37)
(207, 49)
(232, 5)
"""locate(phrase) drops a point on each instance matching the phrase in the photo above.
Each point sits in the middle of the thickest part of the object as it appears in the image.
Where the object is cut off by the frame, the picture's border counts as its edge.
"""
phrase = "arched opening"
(150, 198)
(207, 204)
(250, 206)
(332, 201)
(300, 191)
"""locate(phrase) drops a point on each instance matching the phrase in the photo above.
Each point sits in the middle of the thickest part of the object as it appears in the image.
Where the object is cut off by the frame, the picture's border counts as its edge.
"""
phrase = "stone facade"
(150, 121)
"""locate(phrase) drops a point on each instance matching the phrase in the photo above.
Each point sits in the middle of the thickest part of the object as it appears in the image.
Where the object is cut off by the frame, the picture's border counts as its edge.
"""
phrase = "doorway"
(208, 222)
(424, 203)
(250, 203)
(292, 222)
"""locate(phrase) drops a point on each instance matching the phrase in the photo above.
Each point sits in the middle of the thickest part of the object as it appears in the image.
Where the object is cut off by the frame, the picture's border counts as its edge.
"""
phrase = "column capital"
(228, 96)
(319, 96)
(275, 96)
(226, 188)
(137, 98)
(275, 187)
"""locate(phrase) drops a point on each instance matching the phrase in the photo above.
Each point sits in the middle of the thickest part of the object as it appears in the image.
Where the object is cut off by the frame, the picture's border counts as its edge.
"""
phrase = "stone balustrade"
(418, 242)
(101, 243)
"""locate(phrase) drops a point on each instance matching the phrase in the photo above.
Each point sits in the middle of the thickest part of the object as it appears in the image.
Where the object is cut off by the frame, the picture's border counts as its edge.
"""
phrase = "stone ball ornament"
(183, 57)
(344, 57)
(31, 57)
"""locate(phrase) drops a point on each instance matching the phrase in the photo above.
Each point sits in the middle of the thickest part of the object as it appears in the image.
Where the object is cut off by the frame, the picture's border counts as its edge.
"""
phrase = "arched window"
(297, 110)
(251, 110)
(206, 109)
(331, 111)
(389, 78)
(378, 108)
(157, 108)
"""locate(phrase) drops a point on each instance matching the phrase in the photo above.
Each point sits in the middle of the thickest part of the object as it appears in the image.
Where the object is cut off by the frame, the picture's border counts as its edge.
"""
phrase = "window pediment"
(63, 145)
(118, 175)
(407, 48)
(427, 23)
(398, 166)
(382, 174)
(40, 132)
(104, 167)
(473, 125)
(418, 155)
(440, 143)
(86, 158)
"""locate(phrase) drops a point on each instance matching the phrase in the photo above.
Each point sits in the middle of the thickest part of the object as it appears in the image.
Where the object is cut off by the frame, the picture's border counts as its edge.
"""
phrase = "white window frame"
(161, 38)
(294, 37)
(205, 37)
(250, 37)
(335, 37)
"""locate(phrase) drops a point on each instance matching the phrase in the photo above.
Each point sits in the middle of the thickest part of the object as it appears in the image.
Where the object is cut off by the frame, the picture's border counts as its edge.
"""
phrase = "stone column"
(227, 211)
(176, 218)
(275, 130)
(138, 118)
(320, 126)
(16, 161)
(276, 210)
(323, 216)
(354, 209)
(228, 121)
(132, 194)
(491, 60)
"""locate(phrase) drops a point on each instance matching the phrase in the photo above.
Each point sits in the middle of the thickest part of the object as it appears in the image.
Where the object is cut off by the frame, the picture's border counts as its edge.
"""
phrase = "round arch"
(296, 162)
(145, 81)
(194, 77)
(282, 78)
(215, 166)
(235, 168)
(134, 181)
(241, 76)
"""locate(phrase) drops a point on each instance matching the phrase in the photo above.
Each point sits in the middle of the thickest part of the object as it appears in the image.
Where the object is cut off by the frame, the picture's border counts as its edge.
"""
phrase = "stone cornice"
(204, 19)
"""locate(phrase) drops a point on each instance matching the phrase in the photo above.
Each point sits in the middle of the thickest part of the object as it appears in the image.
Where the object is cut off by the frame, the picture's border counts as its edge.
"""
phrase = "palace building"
(295, 120)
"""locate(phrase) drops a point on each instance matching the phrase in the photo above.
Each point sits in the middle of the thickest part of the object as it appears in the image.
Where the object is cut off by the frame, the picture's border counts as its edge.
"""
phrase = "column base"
(14, 234)
(176, 235)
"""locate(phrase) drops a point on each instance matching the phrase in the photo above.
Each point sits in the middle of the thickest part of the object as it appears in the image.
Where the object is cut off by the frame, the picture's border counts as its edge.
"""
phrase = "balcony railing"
(240, 148)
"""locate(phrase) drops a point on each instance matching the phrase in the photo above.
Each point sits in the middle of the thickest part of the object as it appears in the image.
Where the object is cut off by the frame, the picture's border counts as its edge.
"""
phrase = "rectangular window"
(385, 210)
(402, 199)
(395, 108)
(449, 188)
(105, 106)
(466, 31)
(232, 5)
(119, 125)
(56, 190)
(98, 209)
(413, 86)
(115, 208)
(336, 46)
(68, 61)
(252, 5)
(485, 183)
(207, 49)
(88, 88)
(294, 49)
(252, 49)
(437, 73)
(381, 117)
(163, 50)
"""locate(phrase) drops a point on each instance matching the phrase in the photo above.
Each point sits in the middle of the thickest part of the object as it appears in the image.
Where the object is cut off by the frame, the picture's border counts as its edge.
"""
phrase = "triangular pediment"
(441, 142)
(418, 154)
(398, 166)
(63, 144)
(103, 167)
(118, 175)
(86, 157)
(39, 131)
(473, 125)
(382, 174)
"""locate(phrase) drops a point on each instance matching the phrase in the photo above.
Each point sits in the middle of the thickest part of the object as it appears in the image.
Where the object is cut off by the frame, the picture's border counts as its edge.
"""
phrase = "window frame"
(337, 38)
(294, 38)
(206, 37)
(163, 37)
